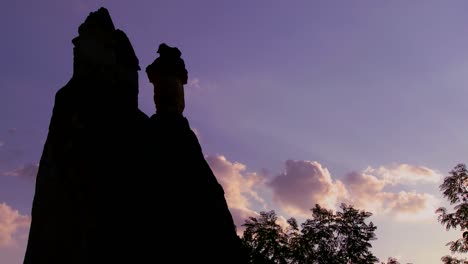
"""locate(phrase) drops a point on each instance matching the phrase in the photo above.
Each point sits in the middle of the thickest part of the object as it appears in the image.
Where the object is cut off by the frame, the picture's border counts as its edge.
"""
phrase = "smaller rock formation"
(195, 206)
(168, 75)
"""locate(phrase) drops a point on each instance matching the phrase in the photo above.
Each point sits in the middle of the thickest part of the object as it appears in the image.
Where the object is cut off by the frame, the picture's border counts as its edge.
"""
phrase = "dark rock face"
(90, 155)
(196, 226)
(115, 186)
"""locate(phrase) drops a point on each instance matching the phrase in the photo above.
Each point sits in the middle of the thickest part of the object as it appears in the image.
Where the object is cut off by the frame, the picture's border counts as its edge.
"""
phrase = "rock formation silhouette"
(116, 186)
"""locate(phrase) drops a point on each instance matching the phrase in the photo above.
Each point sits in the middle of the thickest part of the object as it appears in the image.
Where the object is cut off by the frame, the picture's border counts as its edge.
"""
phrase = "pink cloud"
(406, 174)
(240, 187)
(306, 183)
(303, 184)
(367, 191)
(13, 225)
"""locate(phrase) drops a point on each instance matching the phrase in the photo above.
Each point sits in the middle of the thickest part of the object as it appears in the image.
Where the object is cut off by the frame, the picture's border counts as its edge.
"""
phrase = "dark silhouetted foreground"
(327, 238)
(115, 186)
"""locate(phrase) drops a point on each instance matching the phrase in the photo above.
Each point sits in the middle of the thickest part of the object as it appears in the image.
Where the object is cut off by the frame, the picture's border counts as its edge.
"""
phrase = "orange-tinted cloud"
(240, 187)
(12, 225)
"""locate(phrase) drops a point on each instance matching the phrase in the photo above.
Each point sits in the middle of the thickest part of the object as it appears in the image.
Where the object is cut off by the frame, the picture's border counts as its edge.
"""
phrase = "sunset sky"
(294, 103)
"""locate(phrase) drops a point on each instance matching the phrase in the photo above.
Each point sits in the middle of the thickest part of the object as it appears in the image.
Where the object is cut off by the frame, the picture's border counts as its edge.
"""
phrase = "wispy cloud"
(27, 171)
(13, 225)
(405, 174)
(194, 83)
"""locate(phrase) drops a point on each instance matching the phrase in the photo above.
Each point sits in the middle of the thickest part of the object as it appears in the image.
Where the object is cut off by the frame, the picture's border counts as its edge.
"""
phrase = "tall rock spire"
(90, 151)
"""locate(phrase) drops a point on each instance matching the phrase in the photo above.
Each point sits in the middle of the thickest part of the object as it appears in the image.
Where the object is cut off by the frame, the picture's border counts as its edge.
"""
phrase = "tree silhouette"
(454, 188)
(451, 260)
(319, 238)
(265, 240)
(354, 235)
(328, 237)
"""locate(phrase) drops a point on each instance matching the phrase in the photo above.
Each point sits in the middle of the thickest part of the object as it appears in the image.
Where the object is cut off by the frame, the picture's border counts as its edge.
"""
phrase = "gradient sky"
(294, 102)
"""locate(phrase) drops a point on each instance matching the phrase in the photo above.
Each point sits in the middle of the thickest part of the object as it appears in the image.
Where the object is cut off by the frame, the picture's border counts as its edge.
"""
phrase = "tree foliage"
(265, 239)
(451, 260)
(455, 189)
(328, 237)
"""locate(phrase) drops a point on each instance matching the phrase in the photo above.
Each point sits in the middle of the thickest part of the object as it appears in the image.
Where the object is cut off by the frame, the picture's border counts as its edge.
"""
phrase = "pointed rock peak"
(99, 19)
(100, 43)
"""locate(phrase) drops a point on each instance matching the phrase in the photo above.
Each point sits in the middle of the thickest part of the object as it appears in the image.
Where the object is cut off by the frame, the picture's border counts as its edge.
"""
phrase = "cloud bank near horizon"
(305, 183)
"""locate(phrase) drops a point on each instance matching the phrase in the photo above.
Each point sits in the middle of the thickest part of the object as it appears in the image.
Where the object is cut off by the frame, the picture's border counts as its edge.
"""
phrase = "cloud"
(27, 171)
(240, 187)
(413, 206)
(367, 191)
(1, 143)
(194, 83)
(406, 174)
(13, 225)
(306, 183)
(303, 184)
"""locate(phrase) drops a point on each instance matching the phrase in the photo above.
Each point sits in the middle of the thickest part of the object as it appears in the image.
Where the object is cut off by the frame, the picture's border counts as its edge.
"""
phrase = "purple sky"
(336, 86)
